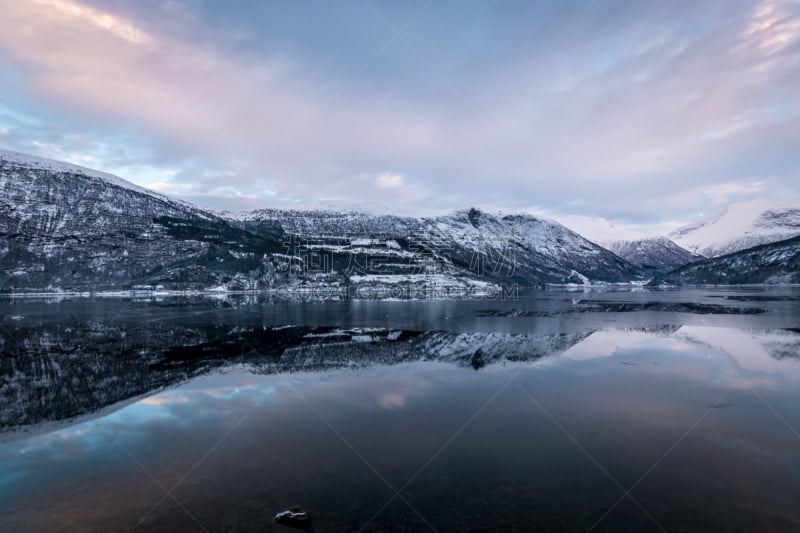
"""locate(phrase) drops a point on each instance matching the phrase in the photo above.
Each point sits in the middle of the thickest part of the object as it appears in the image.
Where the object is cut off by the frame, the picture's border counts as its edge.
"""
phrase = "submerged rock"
(294, 517)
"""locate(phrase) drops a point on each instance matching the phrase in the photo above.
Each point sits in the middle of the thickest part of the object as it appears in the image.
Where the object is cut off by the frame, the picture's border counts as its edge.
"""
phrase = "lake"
(601, 411)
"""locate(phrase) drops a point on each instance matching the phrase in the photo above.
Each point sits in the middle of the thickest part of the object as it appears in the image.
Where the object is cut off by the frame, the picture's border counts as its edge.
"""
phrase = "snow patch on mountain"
(740, 226)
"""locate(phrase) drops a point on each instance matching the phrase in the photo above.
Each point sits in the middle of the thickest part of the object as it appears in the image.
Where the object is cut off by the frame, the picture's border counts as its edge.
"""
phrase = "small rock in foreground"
(295, 517)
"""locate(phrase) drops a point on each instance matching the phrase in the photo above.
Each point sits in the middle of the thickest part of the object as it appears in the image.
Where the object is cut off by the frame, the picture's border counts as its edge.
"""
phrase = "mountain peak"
(655, 254)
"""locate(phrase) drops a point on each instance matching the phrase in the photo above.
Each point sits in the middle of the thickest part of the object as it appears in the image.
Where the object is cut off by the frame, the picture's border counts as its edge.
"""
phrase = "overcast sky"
(647, 113)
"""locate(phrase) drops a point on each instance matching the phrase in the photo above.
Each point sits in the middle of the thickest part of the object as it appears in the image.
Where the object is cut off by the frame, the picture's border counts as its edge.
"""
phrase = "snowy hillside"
(21, 160)
(658, 255)
(525, 247)
(328, 222)
(740, 226)
(773, 263)
(68, 228)
(502, 248)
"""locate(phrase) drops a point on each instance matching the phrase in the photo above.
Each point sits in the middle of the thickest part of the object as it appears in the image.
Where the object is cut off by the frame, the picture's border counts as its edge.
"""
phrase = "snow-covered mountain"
(517, 248)
(657, 255)
(773, 263)
(67, 227)
(740, 226)
(524, 247)
(19, 160)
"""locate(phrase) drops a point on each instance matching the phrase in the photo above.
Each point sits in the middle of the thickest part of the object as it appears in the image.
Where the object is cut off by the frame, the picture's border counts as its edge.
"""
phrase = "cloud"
(773, 27)
(166, 399)
(602, 231)
(105, 21)
(728, 191)
(392, 400)
(55, 151)
(388, 180)
(96, 63)
(638, 119)
(172, 188)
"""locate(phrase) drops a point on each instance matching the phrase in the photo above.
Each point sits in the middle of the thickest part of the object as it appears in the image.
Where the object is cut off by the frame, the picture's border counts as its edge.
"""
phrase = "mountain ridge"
(657, 255)
(69, 228)
(771, 263)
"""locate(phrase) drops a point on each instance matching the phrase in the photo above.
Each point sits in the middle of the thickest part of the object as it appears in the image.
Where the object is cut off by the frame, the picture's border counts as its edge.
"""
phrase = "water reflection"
(699, 420)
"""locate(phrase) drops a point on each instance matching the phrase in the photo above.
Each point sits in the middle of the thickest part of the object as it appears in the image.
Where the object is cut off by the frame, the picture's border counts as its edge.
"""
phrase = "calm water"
(560, 411)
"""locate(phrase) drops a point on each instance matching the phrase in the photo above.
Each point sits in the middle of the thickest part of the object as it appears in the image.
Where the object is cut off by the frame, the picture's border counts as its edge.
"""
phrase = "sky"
(641, 116)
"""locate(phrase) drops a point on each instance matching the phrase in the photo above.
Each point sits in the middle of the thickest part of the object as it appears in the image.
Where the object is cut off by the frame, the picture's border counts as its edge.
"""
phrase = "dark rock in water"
(294, 517)
(478, 360)
(722, 405)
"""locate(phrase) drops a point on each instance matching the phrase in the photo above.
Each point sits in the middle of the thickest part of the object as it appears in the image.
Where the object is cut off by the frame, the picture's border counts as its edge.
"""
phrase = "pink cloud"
(392, 400)
(671, 105)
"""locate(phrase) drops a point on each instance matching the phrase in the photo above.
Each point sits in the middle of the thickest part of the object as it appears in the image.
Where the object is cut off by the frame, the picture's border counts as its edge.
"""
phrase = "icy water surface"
(557, 411)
